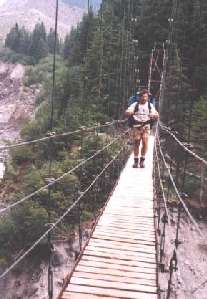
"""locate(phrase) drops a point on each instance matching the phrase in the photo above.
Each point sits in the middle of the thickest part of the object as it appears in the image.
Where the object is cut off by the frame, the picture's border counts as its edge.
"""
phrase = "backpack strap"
(149, 107)
(137, 107)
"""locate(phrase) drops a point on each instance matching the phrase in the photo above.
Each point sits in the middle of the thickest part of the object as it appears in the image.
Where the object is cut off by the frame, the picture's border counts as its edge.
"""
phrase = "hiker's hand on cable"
(129, 112)
(154, 115)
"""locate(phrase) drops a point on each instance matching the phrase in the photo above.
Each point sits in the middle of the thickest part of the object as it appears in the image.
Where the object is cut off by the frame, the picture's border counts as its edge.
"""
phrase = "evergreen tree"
(51, 42)
(39, 47)
(12, 38)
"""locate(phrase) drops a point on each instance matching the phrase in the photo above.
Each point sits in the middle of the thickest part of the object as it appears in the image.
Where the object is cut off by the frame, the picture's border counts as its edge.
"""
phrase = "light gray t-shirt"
(142, 115)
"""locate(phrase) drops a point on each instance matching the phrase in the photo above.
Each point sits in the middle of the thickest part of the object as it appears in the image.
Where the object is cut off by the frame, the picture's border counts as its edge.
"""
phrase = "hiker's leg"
(136, 140)
(145, 140)
(136, 153)
(136, 148)
(144, 149)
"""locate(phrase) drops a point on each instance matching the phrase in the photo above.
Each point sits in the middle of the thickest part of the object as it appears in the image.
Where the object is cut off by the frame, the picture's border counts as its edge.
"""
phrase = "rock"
(31, 291)
(17, 283)
(57, 259)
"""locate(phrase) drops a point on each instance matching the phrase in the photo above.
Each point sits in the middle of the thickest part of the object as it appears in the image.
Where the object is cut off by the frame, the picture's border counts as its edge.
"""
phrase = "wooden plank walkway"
(120, 259)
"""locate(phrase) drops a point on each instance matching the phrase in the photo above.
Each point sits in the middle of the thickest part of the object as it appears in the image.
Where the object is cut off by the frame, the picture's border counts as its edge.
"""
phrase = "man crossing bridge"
(141, 114)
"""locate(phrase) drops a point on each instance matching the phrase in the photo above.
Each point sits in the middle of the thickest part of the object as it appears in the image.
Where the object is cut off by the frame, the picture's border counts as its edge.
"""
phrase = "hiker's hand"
(154, 116)
(129, 112)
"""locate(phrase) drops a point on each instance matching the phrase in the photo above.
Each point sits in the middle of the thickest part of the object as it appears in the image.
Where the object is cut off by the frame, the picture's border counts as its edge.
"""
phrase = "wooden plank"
(136, 208)
(142, 215)
(129, 210)
(70, 295)
(118, 229)
(110, 292)
(115, 278)
(151, 273)
(138, 240)
(126, 224)
(116, 272)
(117, 261)
(113, 285)
(122, 254)
(133, 197)
(137, 235)
(130, 220)
(123, 245)
(127, 204)
(132, 229)
(127, 250)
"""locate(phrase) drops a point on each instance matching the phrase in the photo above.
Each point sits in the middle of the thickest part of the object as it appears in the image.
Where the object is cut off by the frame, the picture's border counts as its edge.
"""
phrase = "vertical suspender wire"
(101, 53)
(150, 69)
(132, 66)
(130, 54)
(53, 94)
(126, 60)
(192, 99)
(122, 64)
(191, 110)
(118, 79)
(88, 6)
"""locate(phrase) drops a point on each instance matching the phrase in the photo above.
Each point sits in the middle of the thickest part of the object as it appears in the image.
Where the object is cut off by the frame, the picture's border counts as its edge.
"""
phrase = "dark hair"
(143, 91)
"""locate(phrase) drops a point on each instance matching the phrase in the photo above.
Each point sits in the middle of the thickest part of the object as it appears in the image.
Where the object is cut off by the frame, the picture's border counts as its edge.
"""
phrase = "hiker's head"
(144, 95)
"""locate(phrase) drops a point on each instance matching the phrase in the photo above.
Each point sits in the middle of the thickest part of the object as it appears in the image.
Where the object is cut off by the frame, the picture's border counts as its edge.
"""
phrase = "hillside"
(29, 12)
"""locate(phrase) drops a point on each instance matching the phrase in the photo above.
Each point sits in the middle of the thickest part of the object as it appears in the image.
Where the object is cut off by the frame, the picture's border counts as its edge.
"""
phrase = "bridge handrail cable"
(53, 136)
(168, 130)
(176, 189)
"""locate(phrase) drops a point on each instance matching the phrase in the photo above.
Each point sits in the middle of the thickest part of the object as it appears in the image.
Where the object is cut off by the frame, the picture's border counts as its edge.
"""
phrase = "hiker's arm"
(154, 114)
(130, 110)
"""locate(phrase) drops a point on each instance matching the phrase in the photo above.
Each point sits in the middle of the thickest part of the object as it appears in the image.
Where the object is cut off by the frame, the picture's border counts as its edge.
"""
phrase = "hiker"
(141, 114)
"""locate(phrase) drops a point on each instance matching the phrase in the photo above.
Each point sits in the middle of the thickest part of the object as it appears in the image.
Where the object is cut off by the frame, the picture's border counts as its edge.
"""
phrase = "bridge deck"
(120, 259)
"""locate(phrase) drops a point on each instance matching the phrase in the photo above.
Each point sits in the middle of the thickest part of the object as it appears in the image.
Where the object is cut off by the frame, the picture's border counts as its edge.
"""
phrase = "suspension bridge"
(124, 252)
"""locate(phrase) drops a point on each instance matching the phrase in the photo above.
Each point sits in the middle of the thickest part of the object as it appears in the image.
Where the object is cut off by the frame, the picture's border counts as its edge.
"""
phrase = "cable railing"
(171, 189)
(182, 144)
(53, 135)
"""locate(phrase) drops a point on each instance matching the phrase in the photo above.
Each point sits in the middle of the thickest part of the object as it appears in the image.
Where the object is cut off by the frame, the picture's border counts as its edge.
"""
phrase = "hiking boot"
(142, 164)
(136, 163)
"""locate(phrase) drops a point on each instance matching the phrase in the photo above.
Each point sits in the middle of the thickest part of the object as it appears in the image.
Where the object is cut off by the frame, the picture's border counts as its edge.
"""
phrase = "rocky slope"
(16, 101)
(28, 12)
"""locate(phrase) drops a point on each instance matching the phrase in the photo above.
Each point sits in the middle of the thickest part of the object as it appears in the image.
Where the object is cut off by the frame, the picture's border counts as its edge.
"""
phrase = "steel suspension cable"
(54, 136)
(50, 152)
(166, 129)
(177, 191)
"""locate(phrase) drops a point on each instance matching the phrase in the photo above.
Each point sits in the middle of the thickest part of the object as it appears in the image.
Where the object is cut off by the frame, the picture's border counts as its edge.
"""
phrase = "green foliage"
(21, 228)
(22, 154)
